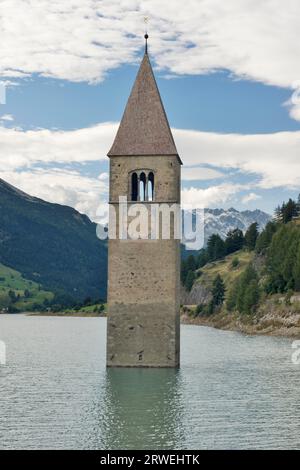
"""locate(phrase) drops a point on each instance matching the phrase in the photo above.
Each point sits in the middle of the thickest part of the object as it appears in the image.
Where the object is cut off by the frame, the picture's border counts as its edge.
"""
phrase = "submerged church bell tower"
(143, 328)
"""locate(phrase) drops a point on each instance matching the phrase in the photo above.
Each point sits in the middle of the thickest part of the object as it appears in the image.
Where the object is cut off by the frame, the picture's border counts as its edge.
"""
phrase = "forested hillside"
(226, 283)
(52, 245)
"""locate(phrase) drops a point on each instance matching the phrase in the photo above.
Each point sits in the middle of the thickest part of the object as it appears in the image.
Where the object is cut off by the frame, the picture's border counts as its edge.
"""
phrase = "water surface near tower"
(232, 391)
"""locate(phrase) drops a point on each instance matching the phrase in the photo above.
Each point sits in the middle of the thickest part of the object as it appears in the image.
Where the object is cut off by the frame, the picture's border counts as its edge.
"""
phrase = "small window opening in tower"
(151, 186)
(142, 186)
(134, 187)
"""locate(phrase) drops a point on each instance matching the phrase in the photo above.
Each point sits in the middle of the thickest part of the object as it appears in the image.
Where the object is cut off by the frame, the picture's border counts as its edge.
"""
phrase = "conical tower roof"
(144, 128)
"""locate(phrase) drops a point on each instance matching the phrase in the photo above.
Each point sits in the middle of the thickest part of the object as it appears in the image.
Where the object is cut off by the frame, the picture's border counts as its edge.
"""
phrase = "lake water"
(232, 391)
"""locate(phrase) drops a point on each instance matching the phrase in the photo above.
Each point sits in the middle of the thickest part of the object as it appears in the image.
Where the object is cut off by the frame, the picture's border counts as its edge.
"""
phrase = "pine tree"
(251, 297)
(289, 211)
(296, 271)
(26, 293)
(298, 206)
(191, 263)
(189, 280)
(12, 295)
(265, 237)
(202, 258)
(218, 291)
(251, 236)
(244, 282)
(234, 241)
(278, 214)
(281, 258)
(232, 296)
(289, 260)
(184, 271)
(215, 248)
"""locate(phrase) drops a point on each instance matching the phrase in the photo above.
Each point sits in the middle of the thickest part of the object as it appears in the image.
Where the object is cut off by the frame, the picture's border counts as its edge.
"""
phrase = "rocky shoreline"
(65, 314)
(272, 322)
(269, 320)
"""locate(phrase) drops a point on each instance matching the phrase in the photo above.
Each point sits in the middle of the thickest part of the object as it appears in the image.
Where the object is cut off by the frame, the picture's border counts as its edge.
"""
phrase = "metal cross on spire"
(146, 19)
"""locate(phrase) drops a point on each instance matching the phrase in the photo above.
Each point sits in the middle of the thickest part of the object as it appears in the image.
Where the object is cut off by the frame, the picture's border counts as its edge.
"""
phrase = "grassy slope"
(52, 244)
(273, 317)
(13, 280)
(88, 311)
(225, 269)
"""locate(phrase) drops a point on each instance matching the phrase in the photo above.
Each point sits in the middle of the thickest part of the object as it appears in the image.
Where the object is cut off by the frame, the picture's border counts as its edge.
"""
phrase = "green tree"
(183, 271)
(189, 280)
(191, 263)
(247, 278)
(235, 262)
(231, 301)
(5, 300)
(87, 301)
(298, 206)
(12, 296)
(265, 237)
(218, 291)
(296, 271)
(278, 214)
(26, 293)
(289, 211)
(251, 297)
(281, 259)
(234, 241)
(202, 258)
(215, 248)
(251, 236)
(288, 262)
(199, 309)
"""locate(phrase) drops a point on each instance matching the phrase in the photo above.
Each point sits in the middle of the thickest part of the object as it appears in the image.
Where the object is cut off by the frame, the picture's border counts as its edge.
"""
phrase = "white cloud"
(295, 112)
(293, 104)
(250, 197)
(80, 40)
(104, 176)
(209, 197)
(62, 187)
(200, 173)
(7, 117)
(77, 40)
(269, 160)
(273, 158)
(24, 148)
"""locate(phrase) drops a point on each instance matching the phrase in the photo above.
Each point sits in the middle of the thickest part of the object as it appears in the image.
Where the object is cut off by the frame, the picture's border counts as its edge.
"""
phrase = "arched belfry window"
(134, 187)
(150, 186)
(142, 185)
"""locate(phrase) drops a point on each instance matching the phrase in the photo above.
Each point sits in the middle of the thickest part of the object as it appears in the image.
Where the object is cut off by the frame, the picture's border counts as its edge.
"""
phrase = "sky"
(228, 73)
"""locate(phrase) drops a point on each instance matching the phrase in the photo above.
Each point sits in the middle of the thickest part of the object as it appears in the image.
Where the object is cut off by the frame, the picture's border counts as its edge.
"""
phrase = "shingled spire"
(144, 128)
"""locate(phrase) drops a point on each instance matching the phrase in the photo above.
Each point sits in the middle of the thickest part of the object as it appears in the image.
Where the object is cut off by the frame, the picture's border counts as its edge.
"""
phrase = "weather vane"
(146, 19)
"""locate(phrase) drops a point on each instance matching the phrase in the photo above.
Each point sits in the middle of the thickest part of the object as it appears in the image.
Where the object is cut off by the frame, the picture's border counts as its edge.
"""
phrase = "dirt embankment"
(273, 318)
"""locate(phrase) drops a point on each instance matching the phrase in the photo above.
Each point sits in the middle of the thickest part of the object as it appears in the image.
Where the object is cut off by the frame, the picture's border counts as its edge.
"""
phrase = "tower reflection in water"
(142, 409)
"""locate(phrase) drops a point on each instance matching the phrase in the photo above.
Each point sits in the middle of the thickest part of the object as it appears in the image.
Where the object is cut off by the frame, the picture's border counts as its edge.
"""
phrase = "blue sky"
(230, 104)
(213, 103)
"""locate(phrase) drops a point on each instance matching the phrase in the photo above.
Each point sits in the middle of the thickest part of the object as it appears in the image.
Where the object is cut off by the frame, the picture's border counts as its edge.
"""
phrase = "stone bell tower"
(143, 328)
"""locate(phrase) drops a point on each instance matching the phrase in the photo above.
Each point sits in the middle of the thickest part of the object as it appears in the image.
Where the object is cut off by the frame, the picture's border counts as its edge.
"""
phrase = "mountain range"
(221, 221)
(57, 247)
(51, 244)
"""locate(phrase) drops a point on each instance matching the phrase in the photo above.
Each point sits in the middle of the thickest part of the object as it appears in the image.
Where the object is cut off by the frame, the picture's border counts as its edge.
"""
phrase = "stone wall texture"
(144, 275)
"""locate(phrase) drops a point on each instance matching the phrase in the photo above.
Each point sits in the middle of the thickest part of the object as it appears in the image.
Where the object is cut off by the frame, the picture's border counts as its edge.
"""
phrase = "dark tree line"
(217, 298)
(283, 260)
(245, 293)
(288, 211)
(216, 249)
(279, 246)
